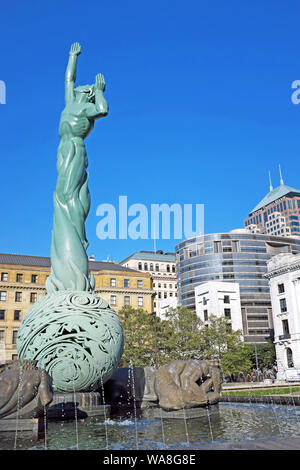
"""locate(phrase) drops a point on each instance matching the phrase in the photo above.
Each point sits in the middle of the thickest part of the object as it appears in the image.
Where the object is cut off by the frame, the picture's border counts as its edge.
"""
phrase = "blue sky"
(200, 109)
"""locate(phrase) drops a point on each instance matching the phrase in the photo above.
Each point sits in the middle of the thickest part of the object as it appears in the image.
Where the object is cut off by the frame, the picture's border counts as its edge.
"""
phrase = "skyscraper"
(278, 213)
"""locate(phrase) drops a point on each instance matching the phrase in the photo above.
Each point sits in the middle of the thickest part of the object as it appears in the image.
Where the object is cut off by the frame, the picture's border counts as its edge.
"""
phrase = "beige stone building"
(22, 282)
(162, 267)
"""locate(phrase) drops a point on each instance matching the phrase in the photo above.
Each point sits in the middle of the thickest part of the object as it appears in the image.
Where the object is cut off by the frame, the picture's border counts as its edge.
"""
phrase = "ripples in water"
(231, 422)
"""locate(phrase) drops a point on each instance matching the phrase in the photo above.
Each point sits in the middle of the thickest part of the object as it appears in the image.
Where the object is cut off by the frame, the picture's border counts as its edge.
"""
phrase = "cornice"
(282, 270)
(21, 286)
(118, 290)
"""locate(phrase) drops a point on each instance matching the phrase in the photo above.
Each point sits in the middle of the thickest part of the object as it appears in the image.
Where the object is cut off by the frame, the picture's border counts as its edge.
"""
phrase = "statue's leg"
(71, 187)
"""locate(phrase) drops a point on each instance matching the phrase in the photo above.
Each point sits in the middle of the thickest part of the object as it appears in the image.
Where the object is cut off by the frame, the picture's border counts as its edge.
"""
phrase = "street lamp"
(153, 314)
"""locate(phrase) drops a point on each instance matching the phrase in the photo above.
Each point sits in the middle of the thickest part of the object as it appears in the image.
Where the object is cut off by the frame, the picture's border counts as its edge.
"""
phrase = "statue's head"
(85, 94)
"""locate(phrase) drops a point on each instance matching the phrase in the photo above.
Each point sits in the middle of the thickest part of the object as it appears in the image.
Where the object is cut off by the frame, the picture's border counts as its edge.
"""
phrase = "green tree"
(221, 342)
(146, 338)
(184, 340)
(263, 354)
(138, 336)
(182, 335)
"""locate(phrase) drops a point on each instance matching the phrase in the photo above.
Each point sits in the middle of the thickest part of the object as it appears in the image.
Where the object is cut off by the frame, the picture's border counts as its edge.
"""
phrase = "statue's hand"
(75, 49)
(100, 82)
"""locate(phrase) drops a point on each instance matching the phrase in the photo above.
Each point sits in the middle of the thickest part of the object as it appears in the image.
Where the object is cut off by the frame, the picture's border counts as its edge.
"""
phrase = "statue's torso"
(74, 123)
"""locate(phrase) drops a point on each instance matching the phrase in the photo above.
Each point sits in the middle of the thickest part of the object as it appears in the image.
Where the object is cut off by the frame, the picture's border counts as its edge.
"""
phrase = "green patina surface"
(72, 332)
(274, 195)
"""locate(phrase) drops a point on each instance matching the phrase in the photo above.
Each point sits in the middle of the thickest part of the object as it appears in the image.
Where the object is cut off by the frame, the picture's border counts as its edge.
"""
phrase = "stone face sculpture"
(25, 391)
(187, 384)
(72, 332)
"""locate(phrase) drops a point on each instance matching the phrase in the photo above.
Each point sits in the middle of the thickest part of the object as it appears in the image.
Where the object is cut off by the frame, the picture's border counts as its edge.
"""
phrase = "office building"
(236, 257)
(284, 279)
(221, 299)
(278, 213)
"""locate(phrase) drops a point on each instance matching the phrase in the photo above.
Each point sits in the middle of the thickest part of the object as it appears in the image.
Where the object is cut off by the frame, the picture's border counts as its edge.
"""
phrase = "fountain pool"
(233, 422)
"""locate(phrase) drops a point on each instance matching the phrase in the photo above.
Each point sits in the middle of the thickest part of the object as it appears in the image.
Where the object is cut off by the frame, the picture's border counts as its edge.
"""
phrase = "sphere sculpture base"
(75, 336)
(79, 405)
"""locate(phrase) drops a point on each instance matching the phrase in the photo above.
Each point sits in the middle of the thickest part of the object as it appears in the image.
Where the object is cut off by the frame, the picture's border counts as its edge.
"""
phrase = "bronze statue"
(25, 391)
(188, 384)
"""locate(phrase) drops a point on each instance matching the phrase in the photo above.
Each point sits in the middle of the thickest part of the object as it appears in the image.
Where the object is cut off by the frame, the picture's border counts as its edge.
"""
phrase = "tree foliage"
(263, 354)
(181, 335)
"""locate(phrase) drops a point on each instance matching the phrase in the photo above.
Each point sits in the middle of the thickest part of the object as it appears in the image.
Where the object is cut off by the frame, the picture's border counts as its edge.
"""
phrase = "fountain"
(70, 343)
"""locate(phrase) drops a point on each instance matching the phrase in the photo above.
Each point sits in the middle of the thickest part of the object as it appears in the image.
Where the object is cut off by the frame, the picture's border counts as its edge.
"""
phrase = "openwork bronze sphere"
(75, 336)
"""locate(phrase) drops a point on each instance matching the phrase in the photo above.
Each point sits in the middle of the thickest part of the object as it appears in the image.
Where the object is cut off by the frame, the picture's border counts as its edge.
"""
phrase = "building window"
(113, 282)
(204, 301)
(168, 268)
(157, 267)
(33, 297)
(227, 249)
(17, 315)
(226, 299)
(140, 266)
(146, 266)
(3, 295)
(4, 276)
(126, 282)
(217, 247)
(127, 300)
(289, 356)
(283, 307)
(18, 297)
(159, 295)
(151, 267)
(140, 283)
(165, 295)
(227, 313)
(173, 268)
(14, 337)
(205, 312)
(19, 277)
(2, 314)
(113, 300)
(285, 327)
(2, 333)
(34, 278)
(280, 288)
(140, 301)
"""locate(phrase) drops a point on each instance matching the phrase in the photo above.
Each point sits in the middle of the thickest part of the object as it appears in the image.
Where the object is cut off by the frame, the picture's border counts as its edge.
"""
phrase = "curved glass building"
(238, 256)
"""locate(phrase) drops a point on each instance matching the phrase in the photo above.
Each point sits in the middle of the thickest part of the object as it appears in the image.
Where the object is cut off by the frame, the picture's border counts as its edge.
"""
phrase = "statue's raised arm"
(84, 104)
(100, 107)
(70, 78)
